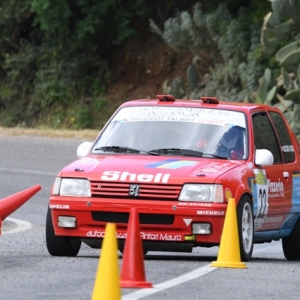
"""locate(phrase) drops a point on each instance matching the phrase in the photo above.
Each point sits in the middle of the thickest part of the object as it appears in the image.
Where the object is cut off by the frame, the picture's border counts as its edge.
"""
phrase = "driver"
(231, 144)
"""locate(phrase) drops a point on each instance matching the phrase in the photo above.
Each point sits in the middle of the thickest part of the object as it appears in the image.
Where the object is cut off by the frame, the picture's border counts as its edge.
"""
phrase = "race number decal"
(260, 194)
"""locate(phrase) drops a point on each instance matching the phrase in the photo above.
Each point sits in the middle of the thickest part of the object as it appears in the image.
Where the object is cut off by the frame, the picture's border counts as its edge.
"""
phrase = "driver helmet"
(231, 137)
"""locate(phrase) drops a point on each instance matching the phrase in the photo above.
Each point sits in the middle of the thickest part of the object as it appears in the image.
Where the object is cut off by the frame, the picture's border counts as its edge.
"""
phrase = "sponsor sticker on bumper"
(144, 235)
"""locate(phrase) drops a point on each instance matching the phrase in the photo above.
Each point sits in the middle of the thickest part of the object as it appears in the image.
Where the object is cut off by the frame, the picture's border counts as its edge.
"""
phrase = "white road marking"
(27, 171)
(21, 226)
(170, 283)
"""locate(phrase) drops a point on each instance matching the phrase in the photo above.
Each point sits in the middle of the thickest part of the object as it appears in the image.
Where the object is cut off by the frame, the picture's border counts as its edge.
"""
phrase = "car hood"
(145, 168)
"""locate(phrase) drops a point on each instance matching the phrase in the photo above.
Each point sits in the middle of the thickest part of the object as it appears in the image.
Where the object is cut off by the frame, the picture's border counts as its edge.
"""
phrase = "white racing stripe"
(21, 226)
(170, 283)
(27, 171)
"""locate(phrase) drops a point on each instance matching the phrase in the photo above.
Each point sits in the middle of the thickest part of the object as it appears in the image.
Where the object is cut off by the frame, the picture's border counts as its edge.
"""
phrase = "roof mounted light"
(165, 97)
(210, 100)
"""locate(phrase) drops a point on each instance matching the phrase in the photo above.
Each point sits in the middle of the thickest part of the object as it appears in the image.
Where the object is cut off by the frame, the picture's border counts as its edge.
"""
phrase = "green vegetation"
(228, 45)
(56, 54)
(54, 69)
(282, 27)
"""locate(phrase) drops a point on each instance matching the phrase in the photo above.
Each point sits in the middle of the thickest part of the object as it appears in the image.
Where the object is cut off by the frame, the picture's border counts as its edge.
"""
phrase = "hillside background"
(68, 64)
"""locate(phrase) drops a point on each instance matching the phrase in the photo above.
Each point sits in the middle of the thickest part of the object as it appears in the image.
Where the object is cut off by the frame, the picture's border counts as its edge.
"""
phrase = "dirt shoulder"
(50, 133)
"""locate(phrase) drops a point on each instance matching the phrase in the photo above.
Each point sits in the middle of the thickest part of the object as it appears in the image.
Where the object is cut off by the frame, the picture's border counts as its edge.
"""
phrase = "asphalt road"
(27, 271)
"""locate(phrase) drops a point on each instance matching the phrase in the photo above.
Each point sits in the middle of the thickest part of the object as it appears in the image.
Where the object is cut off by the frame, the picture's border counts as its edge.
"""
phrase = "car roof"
(217, 104)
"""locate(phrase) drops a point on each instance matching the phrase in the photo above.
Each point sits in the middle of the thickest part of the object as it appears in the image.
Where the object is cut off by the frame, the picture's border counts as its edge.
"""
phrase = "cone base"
(135, 284)
(228, 264)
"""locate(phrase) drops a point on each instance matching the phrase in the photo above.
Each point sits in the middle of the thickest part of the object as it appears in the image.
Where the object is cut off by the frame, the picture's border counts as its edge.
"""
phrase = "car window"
(264, 136)
(150, 127)
(284, 137)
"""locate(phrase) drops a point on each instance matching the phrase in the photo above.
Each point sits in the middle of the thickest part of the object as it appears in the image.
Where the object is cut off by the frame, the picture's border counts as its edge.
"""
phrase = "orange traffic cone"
(133, 271)
(229, 253)
(11, 203)
(107, 284)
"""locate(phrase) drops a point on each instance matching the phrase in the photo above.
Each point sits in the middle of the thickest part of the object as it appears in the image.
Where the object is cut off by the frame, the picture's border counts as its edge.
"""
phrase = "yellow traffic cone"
(229, 252)
(107, 282)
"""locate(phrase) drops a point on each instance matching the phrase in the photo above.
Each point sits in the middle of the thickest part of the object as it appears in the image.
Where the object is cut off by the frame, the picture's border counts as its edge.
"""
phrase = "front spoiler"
(150, 245)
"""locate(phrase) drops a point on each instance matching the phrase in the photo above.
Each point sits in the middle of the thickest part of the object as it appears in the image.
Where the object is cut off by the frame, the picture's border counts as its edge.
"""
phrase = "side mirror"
(264, 157)
(84, 149)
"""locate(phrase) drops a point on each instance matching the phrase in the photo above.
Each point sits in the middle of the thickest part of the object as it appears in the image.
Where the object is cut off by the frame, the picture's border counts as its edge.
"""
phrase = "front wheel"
(291, 244)
(245, 227)
(60, 245)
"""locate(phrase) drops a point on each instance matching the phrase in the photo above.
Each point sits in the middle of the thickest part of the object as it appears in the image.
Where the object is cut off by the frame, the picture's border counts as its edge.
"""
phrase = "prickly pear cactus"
(278, 26)
(192, 74)
(178, 89)
(262, 91)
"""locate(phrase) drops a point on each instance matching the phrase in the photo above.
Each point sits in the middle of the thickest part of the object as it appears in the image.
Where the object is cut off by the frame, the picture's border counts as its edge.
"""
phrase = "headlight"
(71, 187)
(202, 193)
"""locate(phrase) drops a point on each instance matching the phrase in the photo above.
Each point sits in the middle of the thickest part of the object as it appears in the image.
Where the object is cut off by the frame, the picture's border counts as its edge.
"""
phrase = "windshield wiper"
(178, 151)
(123, 149)
(187, 152)
(214, 155)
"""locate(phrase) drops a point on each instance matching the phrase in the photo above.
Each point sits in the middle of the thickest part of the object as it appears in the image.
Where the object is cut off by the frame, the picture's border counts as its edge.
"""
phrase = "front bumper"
(161, 222)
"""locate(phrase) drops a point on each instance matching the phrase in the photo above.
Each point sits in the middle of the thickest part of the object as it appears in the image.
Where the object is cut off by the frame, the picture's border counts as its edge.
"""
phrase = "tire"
(291, 244)
(245, 227)
(60, 245)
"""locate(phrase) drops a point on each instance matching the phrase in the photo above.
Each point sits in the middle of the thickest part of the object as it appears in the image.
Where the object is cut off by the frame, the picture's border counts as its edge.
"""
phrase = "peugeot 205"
(178, 162)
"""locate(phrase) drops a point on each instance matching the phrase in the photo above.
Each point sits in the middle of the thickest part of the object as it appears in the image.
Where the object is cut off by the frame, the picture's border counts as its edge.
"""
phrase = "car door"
(272, 186)
(290, 148)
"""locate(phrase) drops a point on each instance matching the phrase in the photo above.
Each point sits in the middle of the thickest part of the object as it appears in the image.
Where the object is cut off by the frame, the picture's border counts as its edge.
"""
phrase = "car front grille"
(145, 191)
(118, 217)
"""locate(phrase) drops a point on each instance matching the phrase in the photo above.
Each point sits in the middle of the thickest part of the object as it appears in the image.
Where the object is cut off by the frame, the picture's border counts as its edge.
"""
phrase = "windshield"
(148, 128)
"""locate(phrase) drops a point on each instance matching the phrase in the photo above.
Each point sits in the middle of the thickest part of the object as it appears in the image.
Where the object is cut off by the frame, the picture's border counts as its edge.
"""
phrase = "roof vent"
(165, 97)
(210, 100)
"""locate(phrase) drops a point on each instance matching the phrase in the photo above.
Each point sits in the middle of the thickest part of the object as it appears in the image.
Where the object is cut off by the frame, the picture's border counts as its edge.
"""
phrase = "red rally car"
(178, 162)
